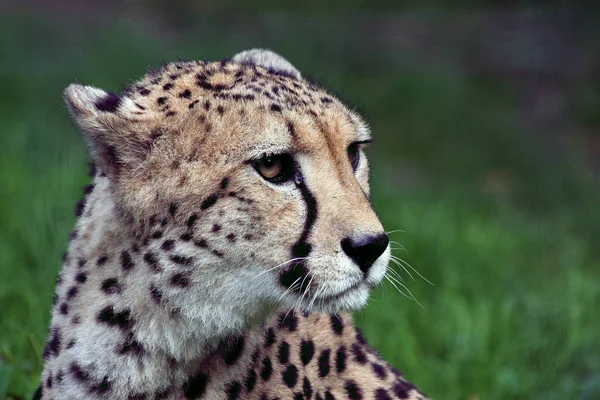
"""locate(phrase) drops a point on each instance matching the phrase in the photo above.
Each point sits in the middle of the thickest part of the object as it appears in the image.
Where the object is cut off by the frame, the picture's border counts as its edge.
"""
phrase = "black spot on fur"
(231, 237)
(250, 381)
(201, 243)
(224, 183)
(301, 249)
(284, 352)
(275, 107)
(288, 320)
(143, 91)
(120, 319)
(324, 363)
(102, 260)
(54, 344)
(195, 387)
(220, 110)
(307, 388)
(157, 235)
(72, 292)
(173, 209)
(111, 286)
(151, 260)
(191, 220)
(267, 369)
(235, 348)
(340, 360)
(359, 356)
(131, 346)
(352, 390)
(402, 388)
(81, 277)
(186, 94)
(216, 228)
(156, 294)
(168, 86)
(336, 324)
(269, 337)
(126, 262)
(307, 351)
(295, 275)
(182, 260)
(110, 103)
(291, 129)
(360, 337)
(382, 394)
(168, 245)
(64, 309)
(161, 100)
(170, 114)
(88, 189)
(233, 390)
(180, 279)
(102, 387)
(186, 237)
(209, 201)
(38, 394)
(79, 374)
(290, 376)
(379, 370)
(80, 206)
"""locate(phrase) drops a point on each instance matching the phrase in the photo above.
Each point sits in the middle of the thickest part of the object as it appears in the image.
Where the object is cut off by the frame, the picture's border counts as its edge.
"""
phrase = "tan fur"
(182, 250)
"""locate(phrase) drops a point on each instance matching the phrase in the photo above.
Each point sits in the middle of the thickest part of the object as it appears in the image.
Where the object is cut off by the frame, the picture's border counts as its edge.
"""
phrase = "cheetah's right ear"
(105, 120)
(269, 60)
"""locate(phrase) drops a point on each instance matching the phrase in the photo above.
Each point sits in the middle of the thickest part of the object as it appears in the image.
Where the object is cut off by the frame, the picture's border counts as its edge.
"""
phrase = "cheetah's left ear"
(105, 120)
(269, 60)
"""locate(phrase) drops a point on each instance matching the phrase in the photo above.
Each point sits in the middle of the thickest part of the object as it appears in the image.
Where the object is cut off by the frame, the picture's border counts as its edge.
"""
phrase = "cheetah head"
(244, 185)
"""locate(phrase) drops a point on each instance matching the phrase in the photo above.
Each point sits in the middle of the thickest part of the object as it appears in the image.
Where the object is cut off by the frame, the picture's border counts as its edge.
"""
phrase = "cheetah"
(224, 239)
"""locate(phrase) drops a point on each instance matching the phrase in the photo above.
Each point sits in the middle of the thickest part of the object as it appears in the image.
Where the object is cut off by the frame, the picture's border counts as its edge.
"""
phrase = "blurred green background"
(487, 159)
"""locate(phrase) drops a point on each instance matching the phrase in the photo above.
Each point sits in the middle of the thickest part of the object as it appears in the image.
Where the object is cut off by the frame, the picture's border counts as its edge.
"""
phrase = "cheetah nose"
(365, 249)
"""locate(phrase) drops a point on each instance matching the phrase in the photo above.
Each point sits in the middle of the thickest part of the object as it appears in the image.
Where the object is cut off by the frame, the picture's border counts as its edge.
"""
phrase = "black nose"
(365, 250)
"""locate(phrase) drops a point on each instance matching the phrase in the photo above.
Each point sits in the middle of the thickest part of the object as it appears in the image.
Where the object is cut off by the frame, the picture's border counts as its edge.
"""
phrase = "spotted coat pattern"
(190, 277)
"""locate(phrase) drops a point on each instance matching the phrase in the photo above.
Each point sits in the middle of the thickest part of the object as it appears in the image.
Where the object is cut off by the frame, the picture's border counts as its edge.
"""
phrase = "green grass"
(504, 229)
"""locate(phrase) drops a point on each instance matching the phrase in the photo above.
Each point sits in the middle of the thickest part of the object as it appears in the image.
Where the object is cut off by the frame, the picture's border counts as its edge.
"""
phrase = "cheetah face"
(245, 186)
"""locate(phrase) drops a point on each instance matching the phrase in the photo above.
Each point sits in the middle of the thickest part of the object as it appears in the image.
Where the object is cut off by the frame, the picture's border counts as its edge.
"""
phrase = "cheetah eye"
(275, 168)
(354, 155)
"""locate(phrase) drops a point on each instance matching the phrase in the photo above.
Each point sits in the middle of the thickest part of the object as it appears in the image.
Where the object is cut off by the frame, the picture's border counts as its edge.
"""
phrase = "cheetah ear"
(267, 59)
(105, 119)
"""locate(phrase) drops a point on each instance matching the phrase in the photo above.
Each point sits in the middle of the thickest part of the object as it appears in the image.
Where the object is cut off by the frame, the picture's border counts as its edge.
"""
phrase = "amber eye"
(275, 168)
(354, 155)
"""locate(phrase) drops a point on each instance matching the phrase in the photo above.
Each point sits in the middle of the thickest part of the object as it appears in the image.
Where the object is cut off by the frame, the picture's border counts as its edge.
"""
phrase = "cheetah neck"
(104, 324)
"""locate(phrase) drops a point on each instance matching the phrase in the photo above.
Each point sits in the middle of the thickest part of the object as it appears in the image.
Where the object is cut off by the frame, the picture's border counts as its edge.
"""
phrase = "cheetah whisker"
(281, 265)
(289, 289)
(411, 267)
(398, 244)
(395, 231)
(403, 268)
(391, 279)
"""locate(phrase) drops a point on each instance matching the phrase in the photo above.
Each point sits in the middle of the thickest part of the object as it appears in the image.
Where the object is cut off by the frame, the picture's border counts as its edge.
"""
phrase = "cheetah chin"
(226, 233)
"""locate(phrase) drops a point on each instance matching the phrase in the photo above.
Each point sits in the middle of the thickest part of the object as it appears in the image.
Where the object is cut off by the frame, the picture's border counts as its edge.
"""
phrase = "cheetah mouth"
(330, 298)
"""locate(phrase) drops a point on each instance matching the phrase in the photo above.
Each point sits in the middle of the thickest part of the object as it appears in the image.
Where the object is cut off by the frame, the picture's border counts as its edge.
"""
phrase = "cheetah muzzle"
(227, 231)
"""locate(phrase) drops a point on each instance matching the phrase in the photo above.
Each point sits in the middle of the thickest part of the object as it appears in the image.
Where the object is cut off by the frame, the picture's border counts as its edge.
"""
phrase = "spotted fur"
(189, 275)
